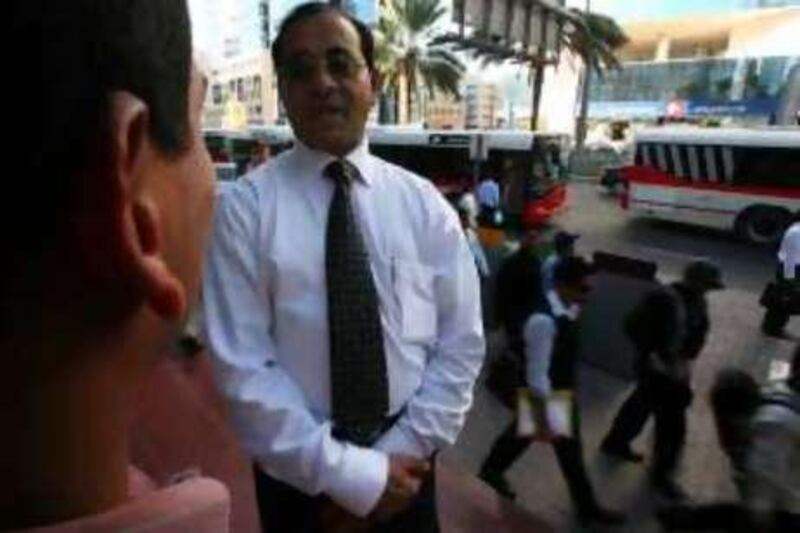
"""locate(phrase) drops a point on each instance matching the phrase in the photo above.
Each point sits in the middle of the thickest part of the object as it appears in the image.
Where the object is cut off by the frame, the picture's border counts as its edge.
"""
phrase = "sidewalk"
(734, 340)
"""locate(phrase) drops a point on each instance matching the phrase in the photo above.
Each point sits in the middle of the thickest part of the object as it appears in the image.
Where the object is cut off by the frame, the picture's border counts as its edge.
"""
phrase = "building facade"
(242, 92)
(483, 106)
(736, 67)
(444, 112)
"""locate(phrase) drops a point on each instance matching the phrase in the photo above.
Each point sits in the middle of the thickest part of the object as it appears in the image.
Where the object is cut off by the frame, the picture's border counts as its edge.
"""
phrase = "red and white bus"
(744, 180)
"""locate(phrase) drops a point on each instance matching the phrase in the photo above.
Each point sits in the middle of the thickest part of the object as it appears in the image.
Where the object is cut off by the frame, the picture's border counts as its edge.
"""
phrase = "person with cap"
(550, 337)
(668, 329)
(778, 311)
(563, 246)
(488, 193)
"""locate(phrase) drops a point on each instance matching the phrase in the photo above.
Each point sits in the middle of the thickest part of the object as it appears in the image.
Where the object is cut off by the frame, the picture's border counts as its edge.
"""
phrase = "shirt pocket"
(414, 291)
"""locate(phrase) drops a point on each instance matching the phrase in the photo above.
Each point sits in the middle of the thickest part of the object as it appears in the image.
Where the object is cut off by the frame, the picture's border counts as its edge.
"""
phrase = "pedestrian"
(489, 214)
(550, 340)
(563, 246)
(668, 329)
(479, 256)
(341, 304)
(518, 289)
(97, 288)
(787, 285)
(760, 433)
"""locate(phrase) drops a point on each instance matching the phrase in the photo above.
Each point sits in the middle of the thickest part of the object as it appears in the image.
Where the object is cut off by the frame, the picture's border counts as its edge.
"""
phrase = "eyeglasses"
(339, 65)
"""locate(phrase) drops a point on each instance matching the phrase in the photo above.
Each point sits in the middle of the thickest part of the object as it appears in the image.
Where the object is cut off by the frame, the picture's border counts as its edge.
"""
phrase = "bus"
(230, 151)
(529, 166)
(743, 180)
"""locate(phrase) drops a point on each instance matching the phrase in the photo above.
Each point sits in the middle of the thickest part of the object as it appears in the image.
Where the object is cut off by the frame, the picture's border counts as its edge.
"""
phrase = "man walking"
(668, 329)
(341, 304)
(778, 311)
(551, 350)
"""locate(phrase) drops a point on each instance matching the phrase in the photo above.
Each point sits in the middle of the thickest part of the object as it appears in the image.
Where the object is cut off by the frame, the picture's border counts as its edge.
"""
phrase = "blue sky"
(628, 9)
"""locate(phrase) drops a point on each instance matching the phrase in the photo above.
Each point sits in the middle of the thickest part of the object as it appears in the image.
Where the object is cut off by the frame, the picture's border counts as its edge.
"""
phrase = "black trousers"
(667, 400)
(284, 509)
(776, 318)
(569, 453)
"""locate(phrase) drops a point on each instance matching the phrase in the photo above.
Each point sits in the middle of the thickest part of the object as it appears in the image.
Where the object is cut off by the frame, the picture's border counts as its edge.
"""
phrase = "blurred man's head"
(326, 76)
(119, 187)
(120, 153)
(571, 279)
(735, 397)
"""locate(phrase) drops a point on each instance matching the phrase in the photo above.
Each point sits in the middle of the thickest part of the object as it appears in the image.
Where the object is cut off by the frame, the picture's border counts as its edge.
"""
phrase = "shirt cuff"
(400, 440)
(361, 481)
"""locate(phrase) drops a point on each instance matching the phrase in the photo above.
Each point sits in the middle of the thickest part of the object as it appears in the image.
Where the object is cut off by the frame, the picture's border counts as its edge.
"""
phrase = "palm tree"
(404, 52)
(590, 36)
(596, 41)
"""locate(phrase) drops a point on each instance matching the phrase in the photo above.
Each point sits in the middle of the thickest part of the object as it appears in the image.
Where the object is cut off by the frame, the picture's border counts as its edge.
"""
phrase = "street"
(734, 340)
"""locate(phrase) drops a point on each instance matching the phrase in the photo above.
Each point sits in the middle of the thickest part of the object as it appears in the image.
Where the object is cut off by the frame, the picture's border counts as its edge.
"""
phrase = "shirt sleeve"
(267, 407)
(540, 333)
(435, 415)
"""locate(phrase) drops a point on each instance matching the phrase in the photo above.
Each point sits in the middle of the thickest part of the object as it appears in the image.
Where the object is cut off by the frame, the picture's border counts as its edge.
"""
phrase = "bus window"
(447, 167)
(767, 166)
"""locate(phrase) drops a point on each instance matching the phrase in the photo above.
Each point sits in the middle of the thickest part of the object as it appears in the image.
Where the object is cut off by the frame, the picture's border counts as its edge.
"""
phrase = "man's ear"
(140, 232)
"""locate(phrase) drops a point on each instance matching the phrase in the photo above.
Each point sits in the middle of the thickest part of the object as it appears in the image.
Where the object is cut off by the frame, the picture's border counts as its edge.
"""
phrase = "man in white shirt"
(777, 316)
(338, 447)
(551, 356)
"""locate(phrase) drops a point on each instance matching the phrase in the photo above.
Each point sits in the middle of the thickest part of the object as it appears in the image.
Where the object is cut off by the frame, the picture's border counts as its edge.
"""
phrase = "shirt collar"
(316, 160)
(559, 307)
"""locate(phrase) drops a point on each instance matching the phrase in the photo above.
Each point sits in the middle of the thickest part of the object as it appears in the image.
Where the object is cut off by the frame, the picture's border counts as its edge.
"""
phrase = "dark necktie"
(358, 364)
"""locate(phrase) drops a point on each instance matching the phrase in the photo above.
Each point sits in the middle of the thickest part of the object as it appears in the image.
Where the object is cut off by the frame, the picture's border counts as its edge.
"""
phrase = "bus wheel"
(763, 225)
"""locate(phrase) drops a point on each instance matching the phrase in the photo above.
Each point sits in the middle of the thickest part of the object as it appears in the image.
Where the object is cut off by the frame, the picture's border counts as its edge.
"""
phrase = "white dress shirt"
(477, 253)
(789, 254)
(265, 310)
(548, 271)
(540, 335)
(489, 193)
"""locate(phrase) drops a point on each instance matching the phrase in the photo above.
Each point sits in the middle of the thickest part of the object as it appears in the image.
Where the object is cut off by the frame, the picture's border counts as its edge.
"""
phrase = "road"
(734, 339)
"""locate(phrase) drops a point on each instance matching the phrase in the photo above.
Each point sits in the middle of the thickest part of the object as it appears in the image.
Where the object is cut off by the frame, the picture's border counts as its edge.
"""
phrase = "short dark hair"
(312, 9)
(88, 50)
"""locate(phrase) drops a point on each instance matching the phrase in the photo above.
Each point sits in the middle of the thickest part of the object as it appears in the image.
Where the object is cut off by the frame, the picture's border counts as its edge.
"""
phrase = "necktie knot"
(340, 172)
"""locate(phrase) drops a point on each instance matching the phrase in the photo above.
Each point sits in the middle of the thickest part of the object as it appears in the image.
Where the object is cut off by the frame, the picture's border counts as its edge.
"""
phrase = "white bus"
(744, 180)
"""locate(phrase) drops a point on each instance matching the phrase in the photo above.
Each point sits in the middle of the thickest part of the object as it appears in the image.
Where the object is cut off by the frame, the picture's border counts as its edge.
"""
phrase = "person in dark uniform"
(778, 312)
(518, 290)
(668, 330)
(550, 337)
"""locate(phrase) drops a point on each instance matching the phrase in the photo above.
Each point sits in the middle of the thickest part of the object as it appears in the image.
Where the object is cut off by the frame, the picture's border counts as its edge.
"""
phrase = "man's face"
(325, 84)
(187, 198)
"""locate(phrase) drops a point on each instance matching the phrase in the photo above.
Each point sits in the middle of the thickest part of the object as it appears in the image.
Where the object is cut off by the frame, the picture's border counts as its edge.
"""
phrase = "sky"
(631, 10)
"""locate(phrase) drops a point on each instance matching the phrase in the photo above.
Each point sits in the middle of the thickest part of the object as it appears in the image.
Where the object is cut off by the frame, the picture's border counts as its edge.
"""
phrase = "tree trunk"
(538, 81)
(408, 100)
(580, 127)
